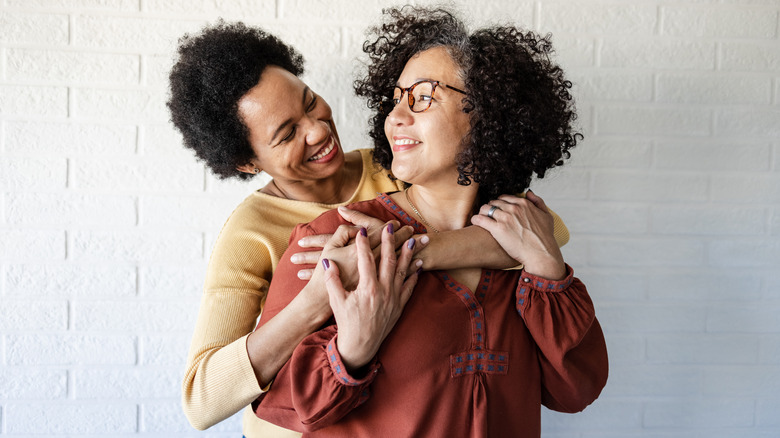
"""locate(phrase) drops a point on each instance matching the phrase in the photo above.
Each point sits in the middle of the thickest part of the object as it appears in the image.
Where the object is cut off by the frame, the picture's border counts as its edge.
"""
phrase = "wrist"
(312, 307)
(548, 269)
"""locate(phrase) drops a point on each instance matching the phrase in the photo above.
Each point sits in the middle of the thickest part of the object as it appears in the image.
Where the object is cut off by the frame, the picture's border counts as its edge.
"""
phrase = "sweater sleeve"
(573, 354)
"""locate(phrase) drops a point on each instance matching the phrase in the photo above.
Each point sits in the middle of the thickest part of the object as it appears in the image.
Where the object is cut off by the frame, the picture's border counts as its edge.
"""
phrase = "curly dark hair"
(520, 109)
(214, 69)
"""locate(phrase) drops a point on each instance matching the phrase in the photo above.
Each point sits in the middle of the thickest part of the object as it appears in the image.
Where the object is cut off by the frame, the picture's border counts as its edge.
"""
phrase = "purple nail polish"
(325, 264)
(410, 244)
(390, 228)
(419, 270)
(363, 232)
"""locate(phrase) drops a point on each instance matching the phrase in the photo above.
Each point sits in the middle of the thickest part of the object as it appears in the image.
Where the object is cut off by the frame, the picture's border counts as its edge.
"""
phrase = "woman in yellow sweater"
(236, 97)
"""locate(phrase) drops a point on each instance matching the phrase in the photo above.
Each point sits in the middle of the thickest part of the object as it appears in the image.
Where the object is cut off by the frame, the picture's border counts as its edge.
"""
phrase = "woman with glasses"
(461, 118)
(237, 99)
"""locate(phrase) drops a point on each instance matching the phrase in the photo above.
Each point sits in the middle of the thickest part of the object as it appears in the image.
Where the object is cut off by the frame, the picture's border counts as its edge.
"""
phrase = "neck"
(445, 209)
(335, 189)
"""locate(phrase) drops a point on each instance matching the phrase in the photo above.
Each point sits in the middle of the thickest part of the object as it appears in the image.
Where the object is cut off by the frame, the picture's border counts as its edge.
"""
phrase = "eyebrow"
(288, 121)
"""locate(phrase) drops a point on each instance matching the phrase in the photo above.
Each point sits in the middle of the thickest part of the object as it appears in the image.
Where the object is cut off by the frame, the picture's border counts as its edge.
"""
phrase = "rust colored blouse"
(459, 363)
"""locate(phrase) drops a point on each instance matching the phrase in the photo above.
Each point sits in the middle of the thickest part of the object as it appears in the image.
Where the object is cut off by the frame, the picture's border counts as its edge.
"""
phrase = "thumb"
(354, 217)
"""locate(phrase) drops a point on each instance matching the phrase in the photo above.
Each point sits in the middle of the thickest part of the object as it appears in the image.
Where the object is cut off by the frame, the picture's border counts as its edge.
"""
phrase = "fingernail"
(390, 228)
(418, 263)
(424, 240)
(325, 264)
(342, 208)
(410, 244)
(295, 258)
(363, 232)
(301, 242)
(419, 270)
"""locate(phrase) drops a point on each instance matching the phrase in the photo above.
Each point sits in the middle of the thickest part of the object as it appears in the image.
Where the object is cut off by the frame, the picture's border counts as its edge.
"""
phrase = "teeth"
(325, 152)
(405, 141)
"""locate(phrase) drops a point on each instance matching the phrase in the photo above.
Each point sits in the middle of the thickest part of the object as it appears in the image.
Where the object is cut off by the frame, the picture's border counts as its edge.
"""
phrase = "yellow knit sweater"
(219, 379)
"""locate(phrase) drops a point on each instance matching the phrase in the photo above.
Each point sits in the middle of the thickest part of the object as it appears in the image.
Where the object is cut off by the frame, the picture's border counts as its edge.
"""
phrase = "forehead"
(435, 63)
(273, 100)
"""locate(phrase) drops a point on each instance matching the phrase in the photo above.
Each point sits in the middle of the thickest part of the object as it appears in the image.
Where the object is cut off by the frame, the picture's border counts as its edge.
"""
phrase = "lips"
(404, 143)
(325, 151)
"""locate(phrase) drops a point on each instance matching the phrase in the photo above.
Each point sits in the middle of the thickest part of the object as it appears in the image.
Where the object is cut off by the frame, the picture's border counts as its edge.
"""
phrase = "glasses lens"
(397, 92)
(422, 93)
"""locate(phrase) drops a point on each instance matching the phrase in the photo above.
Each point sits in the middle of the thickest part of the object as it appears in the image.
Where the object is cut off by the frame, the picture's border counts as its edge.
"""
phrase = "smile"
(324, 151)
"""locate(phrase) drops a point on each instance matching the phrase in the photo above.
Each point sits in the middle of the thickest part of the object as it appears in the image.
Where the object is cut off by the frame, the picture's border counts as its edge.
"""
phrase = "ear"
(249, 168)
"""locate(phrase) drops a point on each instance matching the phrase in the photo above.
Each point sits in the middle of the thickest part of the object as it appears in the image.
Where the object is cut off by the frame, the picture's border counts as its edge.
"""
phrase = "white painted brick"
(130, 33)
(708, 155)
(33, 100)
(72, 67)
(69, 139)
(661, 121)
(741, 381)
(19, 315)
(23, 383)
(165, 350)
(124, 5)
(719, 21)
(168, 418)
(690, 414)
(602, 415)
(71, 418)
(70, 349)
(120, 104)
(719, 220)
(62, 281)
(600, 85)
(185, 211)
(655, 252)
(127, 383)
(246, 9)
(157, 68)
(744, 318)
(646, 186)
(654, 381)
(741, 123)
(659, 53)
(608, 19)
(613, 153)
(162, 282)
(235, 188)
(625, 349)
(766, 413)
(332, 79)
(24, 174)
(651, 318)
(133, 316)
(48, 29)
(753, 56)
(575, 253)
(770, 349)
(744, 253)
(703, 349)
(610, 286)
(701, 286)
(593, 218)
(311, 40)
(561, 184)
(484, 14)
(145, 246)
(741, 188)
(572, 52)
(164, 140)
(714, 89)
(68, 209)
(138, 176)
(31, 245)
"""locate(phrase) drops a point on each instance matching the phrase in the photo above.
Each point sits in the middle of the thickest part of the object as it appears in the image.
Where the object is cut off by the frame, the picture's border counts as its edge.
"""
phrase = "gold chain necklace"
(406, 192)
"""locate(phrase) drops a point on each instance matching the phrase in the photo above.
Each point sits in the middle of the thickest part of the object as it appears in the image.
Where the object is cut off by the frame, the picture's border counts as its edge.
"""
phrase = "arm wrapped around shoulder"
(573, 352)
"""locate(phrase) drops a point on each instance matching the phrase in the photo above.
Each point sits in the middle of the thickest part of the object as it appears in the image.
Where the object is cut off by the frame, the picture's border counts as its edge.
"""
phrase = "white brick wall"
(673, 201)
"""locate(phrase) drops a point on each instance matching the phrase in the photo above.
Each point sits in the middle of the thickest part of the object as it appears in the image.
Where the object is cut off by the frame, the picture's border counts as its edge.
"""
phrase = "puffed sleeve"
(573, 353)
(313, 389)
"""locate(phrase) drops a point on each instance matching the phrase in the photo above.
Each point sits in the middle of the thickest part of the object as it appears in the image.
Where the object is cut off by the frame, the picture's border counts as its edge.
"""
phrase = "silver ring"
(492, 210)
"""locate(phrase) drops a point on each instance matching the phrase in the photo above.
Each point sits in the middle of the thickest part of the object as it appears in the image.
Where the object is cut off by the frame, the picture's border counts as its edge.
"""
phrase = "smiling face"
(426, 144)
(291, 129)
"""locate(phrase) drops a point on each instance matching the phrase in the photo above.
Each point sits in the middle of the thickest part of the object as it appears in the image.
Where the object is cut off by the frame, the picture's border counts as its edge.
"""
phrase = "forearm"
(469, 247)
(272, 344)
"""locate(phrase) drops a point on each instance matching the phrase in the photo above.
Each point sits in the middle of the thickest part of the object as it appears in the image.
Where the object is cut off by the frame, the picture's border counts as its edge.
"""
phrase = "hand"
(374, 228)
(524, 229)
(366, 315)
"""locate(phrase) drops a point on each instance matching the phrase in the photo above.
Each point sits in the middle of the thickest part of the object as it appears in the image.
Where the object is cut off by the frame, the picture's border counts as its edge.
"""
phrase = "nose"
(317, 131)
(401, 114)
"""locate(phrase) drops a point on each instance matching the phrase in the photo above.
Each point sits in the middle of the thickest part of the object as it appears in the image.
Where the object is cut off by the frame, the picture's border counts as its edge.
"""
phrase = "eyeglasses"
(419, 95)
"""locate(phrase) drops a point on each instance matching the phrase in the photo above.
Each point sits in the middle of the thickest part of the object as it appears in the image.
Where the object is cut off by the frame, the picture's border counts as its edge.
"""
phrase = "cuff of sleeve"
(544, 285)
(340, 371)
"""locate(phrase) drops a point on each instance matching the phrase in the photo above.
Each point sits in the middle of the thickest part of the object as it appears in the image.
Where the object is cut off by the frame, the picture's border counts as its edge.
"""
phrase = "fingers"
(305, 258)
(365, 259)
(387, 262)
(537, 201)
(372, 225)
(305, 274)
(316, 241)
(342, 236)
(336, 292)
(405, 263)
